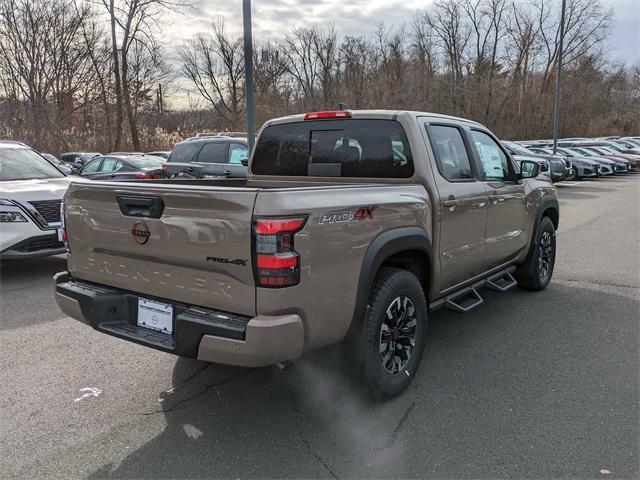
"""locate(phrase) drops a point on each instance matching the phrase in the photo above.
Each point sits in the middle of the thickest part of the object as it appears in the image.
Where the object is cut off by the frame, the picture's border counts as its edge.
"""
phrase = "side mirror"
(245, 162)
(529, 169)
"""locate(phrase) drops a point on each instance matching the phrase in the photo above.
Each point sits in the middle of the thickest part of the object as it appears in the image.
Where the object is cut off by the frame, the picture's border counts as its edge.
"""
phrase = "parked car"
(31, 189)
(520, 154)
(208, 155)
(77, 159)
(59, 164)
(123, 167)
(619, 166)
(348, 226)
(559, 167)
(633, 140)
(610, 149)
(581, 167)
(607, 167)
(629, 160)
(161, 154)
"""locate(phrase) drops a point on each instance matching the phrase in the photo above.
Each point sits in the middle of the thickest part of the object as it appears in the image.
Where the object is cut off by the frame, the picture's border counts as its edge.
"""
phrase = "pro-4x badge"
(359, 214)
(235, 261)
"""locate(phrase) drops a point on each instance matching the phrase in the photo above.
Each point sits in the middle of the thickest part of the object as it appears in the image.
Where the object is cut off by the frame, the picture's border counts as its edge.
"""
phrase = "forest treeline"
(95, 75)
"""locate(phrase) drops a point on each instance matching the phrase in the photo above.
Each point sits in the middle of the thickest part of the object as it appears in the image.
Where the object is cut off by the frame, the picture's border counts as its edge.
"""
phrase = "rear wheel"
(536, 271)
(395, 331)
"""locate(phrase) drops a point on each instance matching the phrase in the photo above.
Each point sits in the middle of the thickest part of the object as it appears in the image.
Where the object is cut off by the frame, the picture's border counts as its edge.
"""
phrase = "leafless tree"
(214, 65)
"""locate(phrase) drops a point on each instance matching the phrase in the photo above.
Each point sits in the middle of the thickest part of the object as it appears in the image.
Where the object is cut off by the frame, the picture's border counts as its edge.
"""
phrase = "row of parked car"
(32, 184)
(205, 155)
(578, 158)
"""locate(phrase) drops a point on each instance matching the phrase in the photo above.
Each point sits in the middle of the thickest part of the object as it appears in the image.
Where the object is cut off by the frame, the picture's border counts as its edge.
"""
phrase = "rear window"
(334, 148)
(184, 152)
(144, 162)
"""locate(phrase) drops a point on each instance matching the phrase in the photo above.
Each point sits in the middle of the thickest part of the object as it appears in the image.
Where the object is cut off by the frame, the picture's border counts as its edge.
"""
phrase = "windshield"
(603, 150)
(25, 164)
(146, 162)
(518, 149)
(582, 151)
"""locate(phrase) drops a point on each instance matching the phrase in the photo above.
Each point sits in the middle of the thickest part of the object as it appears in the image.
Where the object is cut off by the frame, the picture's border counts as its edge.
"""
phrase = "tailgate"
(196, 250)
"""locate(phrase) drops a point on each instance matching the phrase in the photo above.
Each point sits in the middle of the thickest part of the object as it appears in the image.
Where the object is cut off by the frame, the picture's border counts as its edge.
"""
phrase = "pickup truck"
(350, 226)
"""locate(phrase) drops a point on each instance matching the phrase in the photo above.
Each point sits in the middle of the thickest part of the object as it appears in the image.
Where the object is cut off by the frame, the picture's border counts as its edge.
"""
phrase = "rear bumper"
(201, 333)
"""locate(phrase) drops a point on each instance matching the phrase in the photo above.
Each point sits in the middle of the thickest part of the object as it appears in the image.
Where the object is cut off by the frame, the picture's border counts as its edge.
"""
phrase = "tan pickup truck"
(350, 225)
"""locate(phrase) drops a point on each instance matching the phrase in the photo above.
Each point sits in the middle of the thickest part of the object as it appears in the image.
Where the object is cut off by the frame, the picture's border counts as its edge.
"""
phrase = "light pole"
(556, 109)
(248, 72)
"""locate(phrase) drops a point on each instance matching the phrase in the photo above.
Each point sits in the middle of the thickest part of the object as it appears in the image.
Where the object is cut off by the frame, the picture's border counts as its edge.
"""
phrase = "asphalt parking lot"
(529, 385)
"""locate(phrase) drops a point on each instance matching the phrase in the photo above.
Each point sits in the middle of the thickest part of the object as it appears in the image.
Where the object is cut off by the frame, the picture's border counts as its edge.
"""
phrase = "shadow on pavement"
(529, 385)
(31, 269)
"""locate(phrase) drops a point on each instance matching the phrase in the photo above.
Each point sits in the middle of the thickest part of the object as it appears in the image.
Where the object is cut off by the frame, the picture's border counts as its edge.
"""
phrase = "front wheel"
(536, 271)
(573, 174)
(395, 330)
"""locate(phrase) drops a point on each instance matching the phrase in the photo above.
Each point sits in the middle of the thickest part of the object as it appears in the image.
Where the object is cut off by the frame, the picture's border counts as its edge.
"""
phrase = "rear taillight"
(276, 264)
(146, 176)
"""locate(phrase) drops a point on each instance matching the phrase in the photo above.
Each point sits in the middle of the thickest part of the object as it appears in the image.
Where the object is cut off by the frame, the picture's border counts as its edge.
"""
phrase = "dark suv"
(208, 155)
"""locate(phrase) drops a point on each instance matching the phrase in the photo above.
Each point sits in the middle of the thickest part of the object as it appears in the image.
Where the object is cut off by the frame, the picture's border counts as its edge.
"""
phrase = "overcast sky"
(273, 17)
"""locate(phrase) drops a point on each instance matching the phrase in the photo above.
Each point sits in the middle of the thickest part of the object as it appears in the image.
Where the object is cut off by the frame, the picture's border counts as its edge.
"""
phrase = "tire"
(573, 174)
(536, 271)
(390, 371)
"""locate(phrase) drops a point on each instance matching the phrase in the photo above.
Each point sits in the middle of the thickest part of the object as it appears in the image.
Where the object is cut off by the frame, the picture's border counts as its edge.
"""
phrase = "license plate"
(155, 315)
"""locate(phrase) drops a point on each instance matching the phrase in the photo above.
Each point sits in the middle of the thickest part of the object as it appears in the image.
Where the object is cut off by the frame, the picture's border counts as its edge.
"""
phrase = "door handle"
(450, 203)
(226, 172)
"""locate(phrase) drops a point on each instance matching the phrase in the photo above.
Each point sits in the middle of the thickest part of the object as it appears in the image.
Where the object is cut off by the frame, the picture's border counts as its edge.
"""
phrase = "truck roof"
(381, 114)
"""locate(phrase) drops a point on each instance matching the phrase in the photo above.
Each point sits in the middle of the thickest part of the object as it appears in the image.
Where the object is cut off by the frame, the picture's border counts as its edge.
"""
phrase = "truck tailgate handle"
(151, 207)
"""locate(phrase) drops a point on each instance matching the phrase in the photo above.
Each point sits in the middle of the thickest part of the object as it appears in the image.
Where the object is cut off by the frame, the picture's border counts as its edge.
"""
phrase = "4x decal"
(235, 261)
(359, 214)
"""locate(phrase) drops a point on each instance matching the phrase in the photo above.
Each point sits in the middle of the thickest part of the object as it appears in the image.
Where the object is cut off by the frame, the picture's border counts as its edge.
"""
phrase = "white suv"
(31, 190)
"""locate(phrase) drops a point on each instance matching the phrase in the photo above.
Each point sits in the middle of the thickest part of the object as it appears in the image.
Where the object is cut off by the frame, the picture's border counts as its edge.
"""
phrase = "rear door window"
(335, 148)
(92, 166)
(452, 158)
(110, 164)
(213, 153)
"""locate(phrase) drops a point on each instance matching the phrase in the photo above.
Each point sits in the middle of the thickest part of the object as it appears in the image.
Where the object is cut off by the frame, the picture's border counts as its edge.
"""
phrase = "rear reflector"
(327, 114)
(277, 260)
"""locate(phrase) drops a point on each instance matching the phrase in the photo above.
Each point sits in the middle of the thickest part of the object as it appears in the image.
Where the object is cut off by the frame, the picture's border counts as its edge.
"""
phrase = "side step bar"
(468, 297)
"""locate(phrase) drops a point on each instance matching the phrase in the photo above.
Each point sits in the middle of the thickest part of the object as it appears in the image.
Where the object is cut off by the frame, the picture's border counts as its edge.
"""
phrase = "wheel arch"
(549, 208)
(405, 247)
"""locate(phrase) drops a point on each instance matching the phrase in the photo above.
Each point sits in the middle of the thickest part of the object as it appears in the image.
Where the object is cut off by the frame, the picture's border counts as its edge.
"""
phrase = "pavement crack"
(602, 284)
(396, 431)
(204, 388)
(307, 445)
